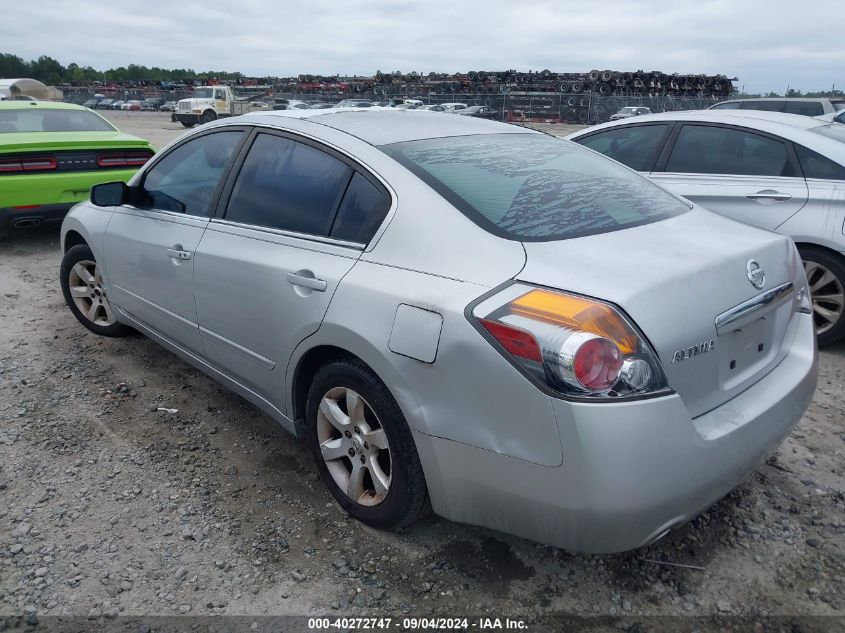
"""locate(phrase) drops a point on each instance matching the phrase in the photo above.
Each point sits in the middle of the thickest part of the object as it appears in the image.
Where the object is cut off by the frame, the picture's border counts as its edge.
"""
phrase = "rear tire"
(82, 287)
(187, 123)
(347, 405)
(208, 116)
(826, 279)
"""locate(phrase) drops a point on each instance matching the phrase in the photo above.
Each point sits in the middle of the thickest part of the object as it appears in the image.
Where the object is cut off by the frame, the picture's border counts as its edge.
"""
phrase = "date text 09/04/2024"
(417, 624)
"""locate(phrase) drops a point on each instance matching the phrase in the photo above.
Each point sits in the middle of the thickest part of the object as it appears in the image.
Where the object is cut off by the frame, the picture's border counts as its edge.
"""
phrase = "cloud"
(767, 44)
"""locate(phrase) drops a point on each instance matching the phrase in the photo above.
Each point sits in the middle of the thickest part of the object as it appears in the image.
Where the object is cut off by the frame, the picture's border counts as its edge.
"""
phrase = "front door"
(150, 248)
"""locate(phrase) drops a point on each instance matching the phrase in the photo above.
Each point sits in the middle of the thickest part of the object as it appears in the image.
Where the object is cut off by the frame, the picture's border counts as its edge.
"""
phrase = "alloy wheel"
(89, 295)
(354, 446)
(827, 294)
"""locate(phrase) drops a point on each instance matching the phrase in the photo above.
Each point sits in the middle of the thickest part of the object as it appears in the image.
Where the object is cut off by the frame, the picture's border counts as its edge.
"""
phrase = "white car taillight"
(574, 345)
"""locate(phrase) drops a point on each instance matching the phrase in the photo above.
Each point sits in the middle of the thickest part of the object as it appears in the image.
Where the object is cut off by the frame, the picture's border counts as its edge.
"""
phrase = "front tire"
(82, 286)
(208, 116)
(826, 281)
(363, 447)
(187, 123)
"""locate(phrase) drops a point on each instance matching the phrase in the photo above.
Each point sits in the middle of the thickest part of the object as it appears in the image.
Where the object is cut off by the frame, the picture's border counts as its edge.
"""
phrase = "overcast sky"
(767, 44)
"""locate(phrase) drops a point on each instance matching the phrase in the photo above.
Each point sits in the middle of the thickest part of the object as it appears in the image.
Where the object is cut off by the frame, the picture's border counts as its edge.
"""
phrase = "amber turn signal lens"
(577, 313)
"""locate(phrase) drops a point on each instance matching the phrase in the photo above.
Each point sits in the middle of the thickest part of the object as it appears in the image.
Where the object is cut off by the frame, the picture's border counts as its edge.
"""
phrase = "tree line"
(52, 72)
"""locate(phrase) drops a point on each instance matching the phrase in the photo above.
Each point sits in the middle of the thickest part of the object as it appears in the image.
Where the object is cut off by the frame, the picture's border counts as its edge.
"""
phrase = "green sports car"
(51, 154)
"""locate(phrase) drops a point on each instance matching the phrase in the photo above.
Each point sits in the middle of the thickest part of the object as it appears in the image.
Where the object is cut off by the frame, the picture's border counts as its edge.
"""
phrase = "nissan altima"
(460, 315)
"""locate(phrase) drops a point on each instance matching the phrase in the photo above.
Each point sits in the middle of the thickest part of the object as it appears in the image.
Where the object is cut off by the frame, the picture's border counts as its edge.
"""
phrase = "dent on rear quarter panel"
(469, 394)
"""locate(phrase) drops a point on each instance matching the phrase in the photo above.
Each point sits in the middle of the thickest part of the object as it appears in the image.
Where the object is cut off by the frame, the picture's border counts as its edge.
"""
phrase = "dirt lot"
(109, 506)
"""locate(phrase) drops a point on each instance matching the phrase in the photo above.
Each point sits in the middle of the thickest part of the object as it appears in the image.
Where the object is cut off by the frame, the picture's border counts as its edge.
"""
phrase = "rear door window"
(636, 146)
(705, 149)
(806, 108)
(768, 106)
(288, 185)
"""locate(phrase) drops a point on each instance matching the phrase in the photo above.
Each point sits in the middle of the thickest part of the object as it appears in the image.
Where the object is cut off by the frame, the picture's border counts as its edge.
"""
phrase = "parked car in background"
(805, 106)
(354, 103)
(50, 156)
(117, 105)
(482, 112)
(833, 117)
(133, 105)
(322, 106)
(630, 111)
(91, 103)
(290, 104)
(607, 387)
(168, 106)
(433, 108)
(152, 104)
(453, 106)
(782, 172)
(104, 104)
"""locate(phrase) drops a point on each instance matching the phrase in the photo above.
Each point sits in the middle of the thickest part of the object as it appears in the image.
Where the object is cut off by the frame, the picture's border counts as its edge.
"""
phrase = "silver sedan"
(459, 315)
(782, 172)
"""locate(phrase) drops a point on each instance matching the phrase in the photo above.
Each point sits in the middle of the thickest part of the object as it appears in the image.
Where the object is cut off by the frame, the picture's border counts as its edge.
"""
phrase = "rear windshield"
(46, 120)
(533, 187)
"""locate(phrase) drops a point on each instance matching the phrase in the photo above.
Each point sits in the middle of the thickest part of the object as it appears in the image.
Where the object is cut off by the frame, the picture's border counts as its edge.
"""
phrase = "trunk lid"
(674, 278)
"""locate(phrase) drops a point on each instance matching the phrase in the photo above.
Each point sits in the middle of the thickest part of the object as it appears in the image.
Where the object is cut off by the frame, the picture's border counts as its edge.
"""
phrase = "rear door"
(741, 173)
(150, 248)
(291, 224)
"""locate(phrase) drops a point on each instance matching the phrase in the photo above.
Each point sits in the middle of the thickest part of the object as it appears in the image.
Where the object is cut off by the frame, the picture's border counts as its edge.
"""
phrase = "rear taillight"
(575, 345)
(129, 159)
(27, 163)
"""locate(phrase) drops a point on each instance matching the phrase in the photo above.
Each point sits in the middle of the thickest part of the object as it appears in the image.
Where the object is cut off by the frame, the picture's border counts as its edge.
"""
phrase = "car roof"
(383, 126)
(42, 105)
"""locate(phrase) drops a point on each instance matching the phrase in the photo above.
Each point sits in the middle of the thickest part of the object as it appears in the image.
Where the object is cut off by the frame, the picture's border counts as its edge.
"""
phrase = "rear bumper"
(630, 471)
(16, 217)
(185, 117)
(63, 188)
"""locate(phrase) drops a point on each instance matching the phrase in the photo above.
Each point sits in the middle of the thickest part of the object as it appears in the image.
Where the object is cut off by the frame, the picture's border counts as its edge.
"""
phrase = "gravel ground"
(111, 506)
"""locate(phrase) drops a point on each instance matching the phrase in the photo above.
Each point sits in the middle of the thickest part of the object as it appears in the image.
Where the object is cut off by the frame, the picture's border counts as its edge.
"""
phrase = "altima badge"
(695, 350)
(756, 275)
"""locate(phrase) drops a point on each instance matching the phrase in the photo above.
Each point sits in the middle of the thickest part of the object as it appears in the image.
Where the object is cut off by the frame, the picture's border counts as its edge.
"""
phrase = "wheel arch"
(72, 238)
(335, 342)
(833, 252)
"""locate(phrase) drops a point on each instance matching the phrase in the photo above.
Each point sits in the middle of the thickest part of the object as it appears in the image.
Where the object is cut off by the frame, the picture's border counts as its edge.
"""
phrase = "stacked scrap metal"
(581, 97)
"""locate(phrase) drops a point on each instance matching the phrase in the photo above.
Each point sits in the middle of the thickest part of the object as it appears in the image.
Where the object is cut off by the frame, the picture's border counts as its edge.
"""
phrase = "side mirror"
(109, 194)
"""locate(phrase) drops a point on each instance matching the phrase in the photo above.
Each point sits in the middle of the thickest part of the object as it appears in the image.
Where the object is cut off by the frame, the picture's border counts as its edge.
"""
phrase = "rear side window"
(633, 145)
(815, 165)
(288, 185)
(361, 212)
(807, 108)
(768, 106)
(703, 149)
(532, 187)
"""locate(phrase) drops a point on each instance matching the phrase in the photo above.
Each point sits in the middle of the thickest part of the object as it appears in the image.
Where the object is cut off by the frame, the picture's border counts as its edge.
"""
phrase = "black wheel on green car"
(81, 280)
(363, 447)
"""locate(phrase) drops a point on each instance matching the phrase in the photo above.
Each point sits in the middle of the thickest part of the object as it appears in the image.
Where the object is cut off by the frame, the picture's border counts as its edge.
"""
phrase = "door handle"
(176, 252)
(769, 194)
(306, 281)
